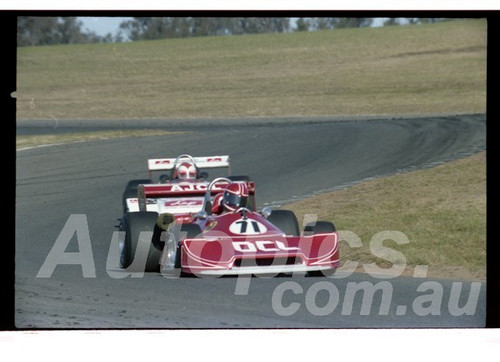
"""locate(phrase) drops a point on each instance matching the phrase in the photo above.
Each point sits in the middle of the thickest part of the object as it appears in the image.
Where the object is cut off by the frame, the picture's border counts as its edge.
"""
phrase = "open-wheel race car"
(214, 229)
(181, 190)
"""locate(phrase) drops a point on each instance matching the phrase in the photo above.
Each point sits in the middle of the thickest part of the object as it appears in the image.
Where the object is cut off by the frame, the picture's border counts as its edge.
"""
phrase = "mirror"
(266, 212)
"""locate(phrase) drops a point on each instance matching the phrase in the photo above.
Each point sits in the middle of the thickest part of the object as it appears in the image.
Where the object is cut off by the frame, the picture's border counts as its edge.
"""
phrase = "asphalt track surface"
(288, 159)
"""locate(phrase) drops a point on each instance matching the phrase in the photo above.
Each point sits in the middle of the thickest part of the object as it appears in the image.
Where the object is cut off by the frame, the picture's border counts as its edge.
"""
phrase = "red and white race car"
(176, 227)
(181, 191)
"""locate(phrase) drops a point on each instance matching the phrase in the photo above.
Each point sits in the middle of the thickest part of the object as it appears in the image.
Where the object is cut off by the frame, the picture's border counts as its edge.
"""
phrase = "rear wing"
(149, 191)
(163, 164)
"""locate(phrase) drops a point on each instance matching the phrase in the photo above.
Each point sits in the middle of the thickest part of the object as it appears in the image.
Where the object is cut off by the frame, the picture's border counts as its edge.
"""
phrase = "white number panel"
(247, 227)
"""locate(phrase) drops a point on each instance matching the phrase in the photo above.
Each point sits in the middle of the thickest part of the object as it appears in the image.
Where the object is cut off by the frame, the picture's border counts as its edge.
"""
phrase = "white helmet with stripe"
(186, 171)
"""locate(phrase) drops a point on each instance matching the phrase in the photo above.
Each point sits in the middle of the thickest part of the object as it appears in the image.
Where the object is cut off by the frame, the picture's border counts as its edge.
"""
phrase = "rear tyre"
(286, 221)
(139, 254)
(320, 227)
(239, 178)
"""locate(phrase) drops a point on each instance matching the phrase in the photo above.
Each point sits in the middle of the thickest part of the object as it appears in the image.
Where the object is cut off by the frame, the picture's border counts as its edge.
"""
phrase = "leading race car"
(222, 235)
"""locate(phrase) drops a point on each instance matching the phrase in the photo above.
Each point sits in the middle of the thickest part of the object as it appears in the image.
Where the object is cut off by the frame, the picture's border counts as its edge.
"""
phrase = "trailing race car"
(222, 235)
(181, 191)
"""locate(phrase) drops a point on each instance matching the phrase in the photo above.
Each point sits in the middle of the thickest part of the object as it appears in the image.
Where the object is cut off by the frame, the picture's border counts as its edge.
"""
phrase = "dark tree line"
(312, 24)
(45, 30)
(156, 28)
(68, 30)
(176, 27)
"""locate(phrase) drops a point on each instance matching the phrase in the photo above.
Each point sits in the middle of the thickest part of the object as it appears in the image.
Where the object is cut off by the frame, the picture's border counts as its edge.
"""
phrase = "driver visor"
(235, 200)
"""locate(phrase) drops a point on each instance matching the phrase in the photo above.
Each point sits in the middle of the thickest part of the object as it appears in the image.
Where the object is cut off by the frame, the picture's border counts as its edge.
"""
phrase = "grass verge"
(441, 210)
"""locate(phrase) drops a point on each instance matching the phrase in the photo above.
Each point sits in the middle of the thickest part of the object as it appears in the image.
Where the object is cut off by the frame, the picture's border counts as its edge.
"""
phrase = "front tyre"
(139, 254)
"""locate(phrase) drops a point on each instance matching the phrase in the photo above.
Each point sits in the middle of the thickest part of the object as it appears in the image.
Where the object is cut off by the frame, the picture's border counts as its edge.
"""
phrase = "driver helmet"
(186, 171)
(235, 196)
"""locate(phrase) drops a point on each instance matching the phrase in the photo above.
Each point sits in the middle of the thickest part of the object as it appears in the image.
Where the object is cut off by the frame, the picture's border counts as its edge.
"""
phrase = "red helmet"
(235, 196)
(186, 171)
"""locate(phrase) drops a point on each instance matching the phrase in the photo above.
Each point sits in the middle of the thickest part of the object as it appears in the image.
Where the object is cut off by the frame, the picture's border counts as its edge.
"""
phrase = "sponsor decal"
(183, 203)
(262, 245)
(148, 201)
(247, 227)
(208, 159)
(196, 187)
(210, 226)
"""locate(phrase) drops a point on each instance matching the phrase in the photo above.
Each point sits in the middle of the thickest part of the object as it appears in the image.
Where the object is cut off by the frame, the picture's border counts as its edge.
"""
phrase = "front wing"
(260, 255)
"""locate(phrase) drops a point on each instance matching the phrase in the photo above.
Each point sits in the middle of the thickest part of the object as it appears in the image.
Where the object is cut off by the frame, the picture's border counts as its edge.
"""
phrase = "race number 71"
(247, 227)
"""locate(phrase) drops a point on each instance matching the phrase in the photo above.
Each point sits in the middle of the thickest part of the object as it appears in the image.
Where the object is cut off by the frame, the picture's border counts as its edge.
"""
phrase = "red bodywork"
(242, 242)
(180, 190)
(245, 242)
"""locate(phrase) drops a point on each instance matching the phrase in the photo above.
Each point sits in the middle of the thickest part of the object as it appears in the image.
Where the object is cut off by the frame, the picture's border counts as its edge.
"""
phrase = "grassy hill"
(441, 211)
(435, 68)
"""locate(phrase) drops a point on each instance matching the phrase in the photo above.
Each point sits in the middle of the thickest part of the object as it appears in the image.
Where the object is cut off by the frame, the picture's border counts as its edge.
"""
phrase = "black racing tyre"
(134, 223)
(320, 227)
(286, 221)
(239, 178)
(131, 190)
